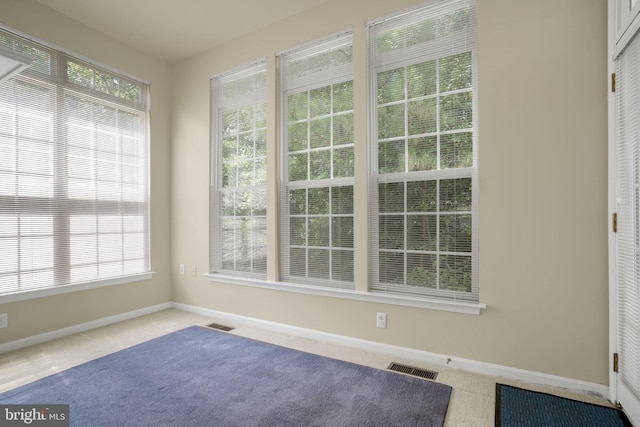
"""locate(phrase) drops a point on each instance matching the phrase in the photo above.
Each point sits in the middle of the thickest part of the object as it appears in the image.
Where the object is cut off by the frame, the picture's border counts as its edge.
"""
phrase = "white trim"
(419, 302)
(483, 368)
(63, 289)
(613, 169)
(82, 327)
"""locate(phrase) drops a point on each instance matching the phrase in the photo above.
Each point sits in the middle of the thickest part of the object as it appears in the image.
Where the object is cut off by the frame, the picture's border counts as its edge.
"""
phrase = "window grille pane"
(423, 215)
(239, 173)
(317, 145)
(74, 166)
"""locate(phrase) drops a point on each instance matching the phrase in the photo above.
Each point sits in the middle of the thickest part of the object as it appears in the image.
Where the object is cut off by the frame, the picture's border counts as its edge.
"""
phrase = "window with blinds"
(627, 240)
(239, 172)
(74, 190)
(318, 163)
(423, 192)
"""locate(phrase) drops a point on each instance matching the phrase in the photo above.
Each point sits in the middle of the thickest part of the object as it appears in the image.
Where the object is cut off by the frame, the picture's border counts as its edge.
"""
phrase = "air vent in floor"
(220, 327)
(410, 370)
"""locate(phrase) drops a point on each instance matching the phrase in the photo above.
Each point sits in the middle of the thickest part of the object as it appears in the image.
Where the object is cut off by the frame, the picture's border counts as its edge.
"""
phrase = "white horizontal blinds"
(423, 205)
(73, 173)
(628, 211)
(317, 147)
(239, 172)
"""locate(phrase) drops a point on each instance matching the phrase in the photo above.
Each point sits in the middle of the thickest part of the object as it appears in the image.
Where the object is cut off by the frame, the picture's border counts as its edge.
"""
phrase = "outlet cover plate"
(381, 320)
(4, 321)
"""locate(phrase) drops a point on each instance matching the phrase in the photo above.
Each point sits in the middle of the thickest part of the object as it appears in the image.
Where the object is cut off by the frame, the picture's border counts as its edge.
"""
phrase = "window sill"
(63, 289)
(432, 304)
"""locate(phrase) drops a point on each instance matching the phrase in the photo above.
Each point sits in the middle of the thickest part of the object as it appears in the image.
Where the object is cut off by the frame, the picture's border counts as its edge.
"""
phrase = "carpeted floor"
(517, 407)
(197, 376)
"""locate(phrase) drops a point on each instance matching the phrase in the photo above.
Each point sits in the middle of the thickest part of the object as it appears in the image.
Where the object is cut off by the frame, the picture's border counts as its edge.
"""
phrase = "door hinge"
(614, 222)
(613, 82)
(615, 362)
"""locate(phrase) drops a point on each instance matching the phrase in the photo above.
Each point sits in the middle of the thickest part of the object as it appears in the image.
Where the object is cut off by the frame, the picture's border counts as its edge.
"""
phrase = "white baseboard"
(392, 350)
(412, 354)
(82, 327)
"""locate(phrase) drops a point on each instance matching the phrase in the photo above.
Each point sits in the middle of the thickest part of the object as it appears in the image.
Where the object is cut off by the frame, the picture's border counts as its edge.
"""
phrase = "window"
(424, 163)
(73, 172)
(239, 172)
(318, 163)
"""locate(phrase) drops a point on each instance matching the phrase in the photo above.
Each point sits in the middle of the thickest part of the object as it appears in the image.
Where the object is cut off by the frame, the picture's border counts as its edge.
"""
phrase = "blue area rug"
(516, 407)
(201, 377)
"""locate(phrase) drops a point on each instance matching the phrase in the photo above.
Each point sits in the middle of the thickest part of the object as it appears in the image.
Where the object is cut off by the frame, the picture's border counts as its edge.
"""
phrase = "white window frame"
(225, 246)
(59, 205)
(407, 56)
(280, 282)
(306, 83)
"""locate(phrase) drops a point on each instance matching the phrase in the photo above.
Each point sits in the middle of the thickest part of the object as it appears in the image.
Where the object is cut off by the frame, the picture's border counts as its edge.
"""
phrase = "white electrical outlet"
(181, 268)
(381, 320)
(4, 320)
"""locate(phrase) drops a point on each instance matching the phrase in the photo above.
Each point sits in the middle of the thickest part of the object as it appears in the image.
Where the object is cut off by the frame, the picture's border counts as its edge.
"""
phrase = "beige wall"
(543, 183)
(41, 315)
(543, 179)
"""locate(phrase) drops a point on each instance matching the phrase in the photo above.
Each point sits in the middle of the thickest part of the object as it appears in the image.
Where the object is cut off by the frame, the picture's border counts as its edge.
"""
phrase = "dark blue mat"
(516, 407)
(201, 377)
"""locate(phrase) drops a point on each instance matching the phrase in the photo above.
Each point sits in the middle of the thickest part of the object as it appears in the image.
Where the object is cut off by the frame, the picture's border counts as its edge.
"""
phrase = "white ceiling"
(172, 30)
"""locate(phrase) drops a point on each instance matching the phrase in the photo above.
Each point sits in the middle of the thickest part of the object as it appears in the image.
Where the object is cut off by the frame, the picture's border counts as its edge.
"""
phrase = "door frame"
(623, 24)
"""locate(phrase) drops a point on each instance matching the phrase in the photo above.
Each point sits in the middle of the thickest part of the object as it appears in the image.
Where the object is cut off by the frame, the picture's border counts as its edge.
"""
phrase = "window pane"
(455, 233)
(342, 232)
(320, 101)
(391, 197)
(343, 96)
(298, 202)
(391, 268)
(298, 231)
(342, 265)
(391, 156)
(391, 232)
(320, 133)
(318, 231)
(422, 270)
(319, 200)
(455, 72)
(343, 162)
(319, 263)
(456, 150)
(343, 129)
(298, 106)
(423, 153)
(391, 121)
(342, 200)
(455, 272)
(456, 111)
(298, 167)
(422, 233)
(422, 196)
(298, 136)
(421, 79)
(391, 86)
(320, 164)
(455, 195)
(422, 116)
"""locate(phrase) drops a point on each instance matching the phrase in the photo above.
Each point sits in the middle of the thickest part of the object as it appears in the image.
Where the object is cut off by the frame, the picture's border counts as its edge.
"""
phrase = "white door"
(624, 153)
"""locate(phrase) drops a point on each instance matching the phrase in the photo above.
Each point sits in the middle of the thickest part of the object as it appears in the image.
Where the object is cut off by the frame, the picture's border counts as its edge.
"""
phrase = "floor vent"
(410, 370)
(220, 327)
